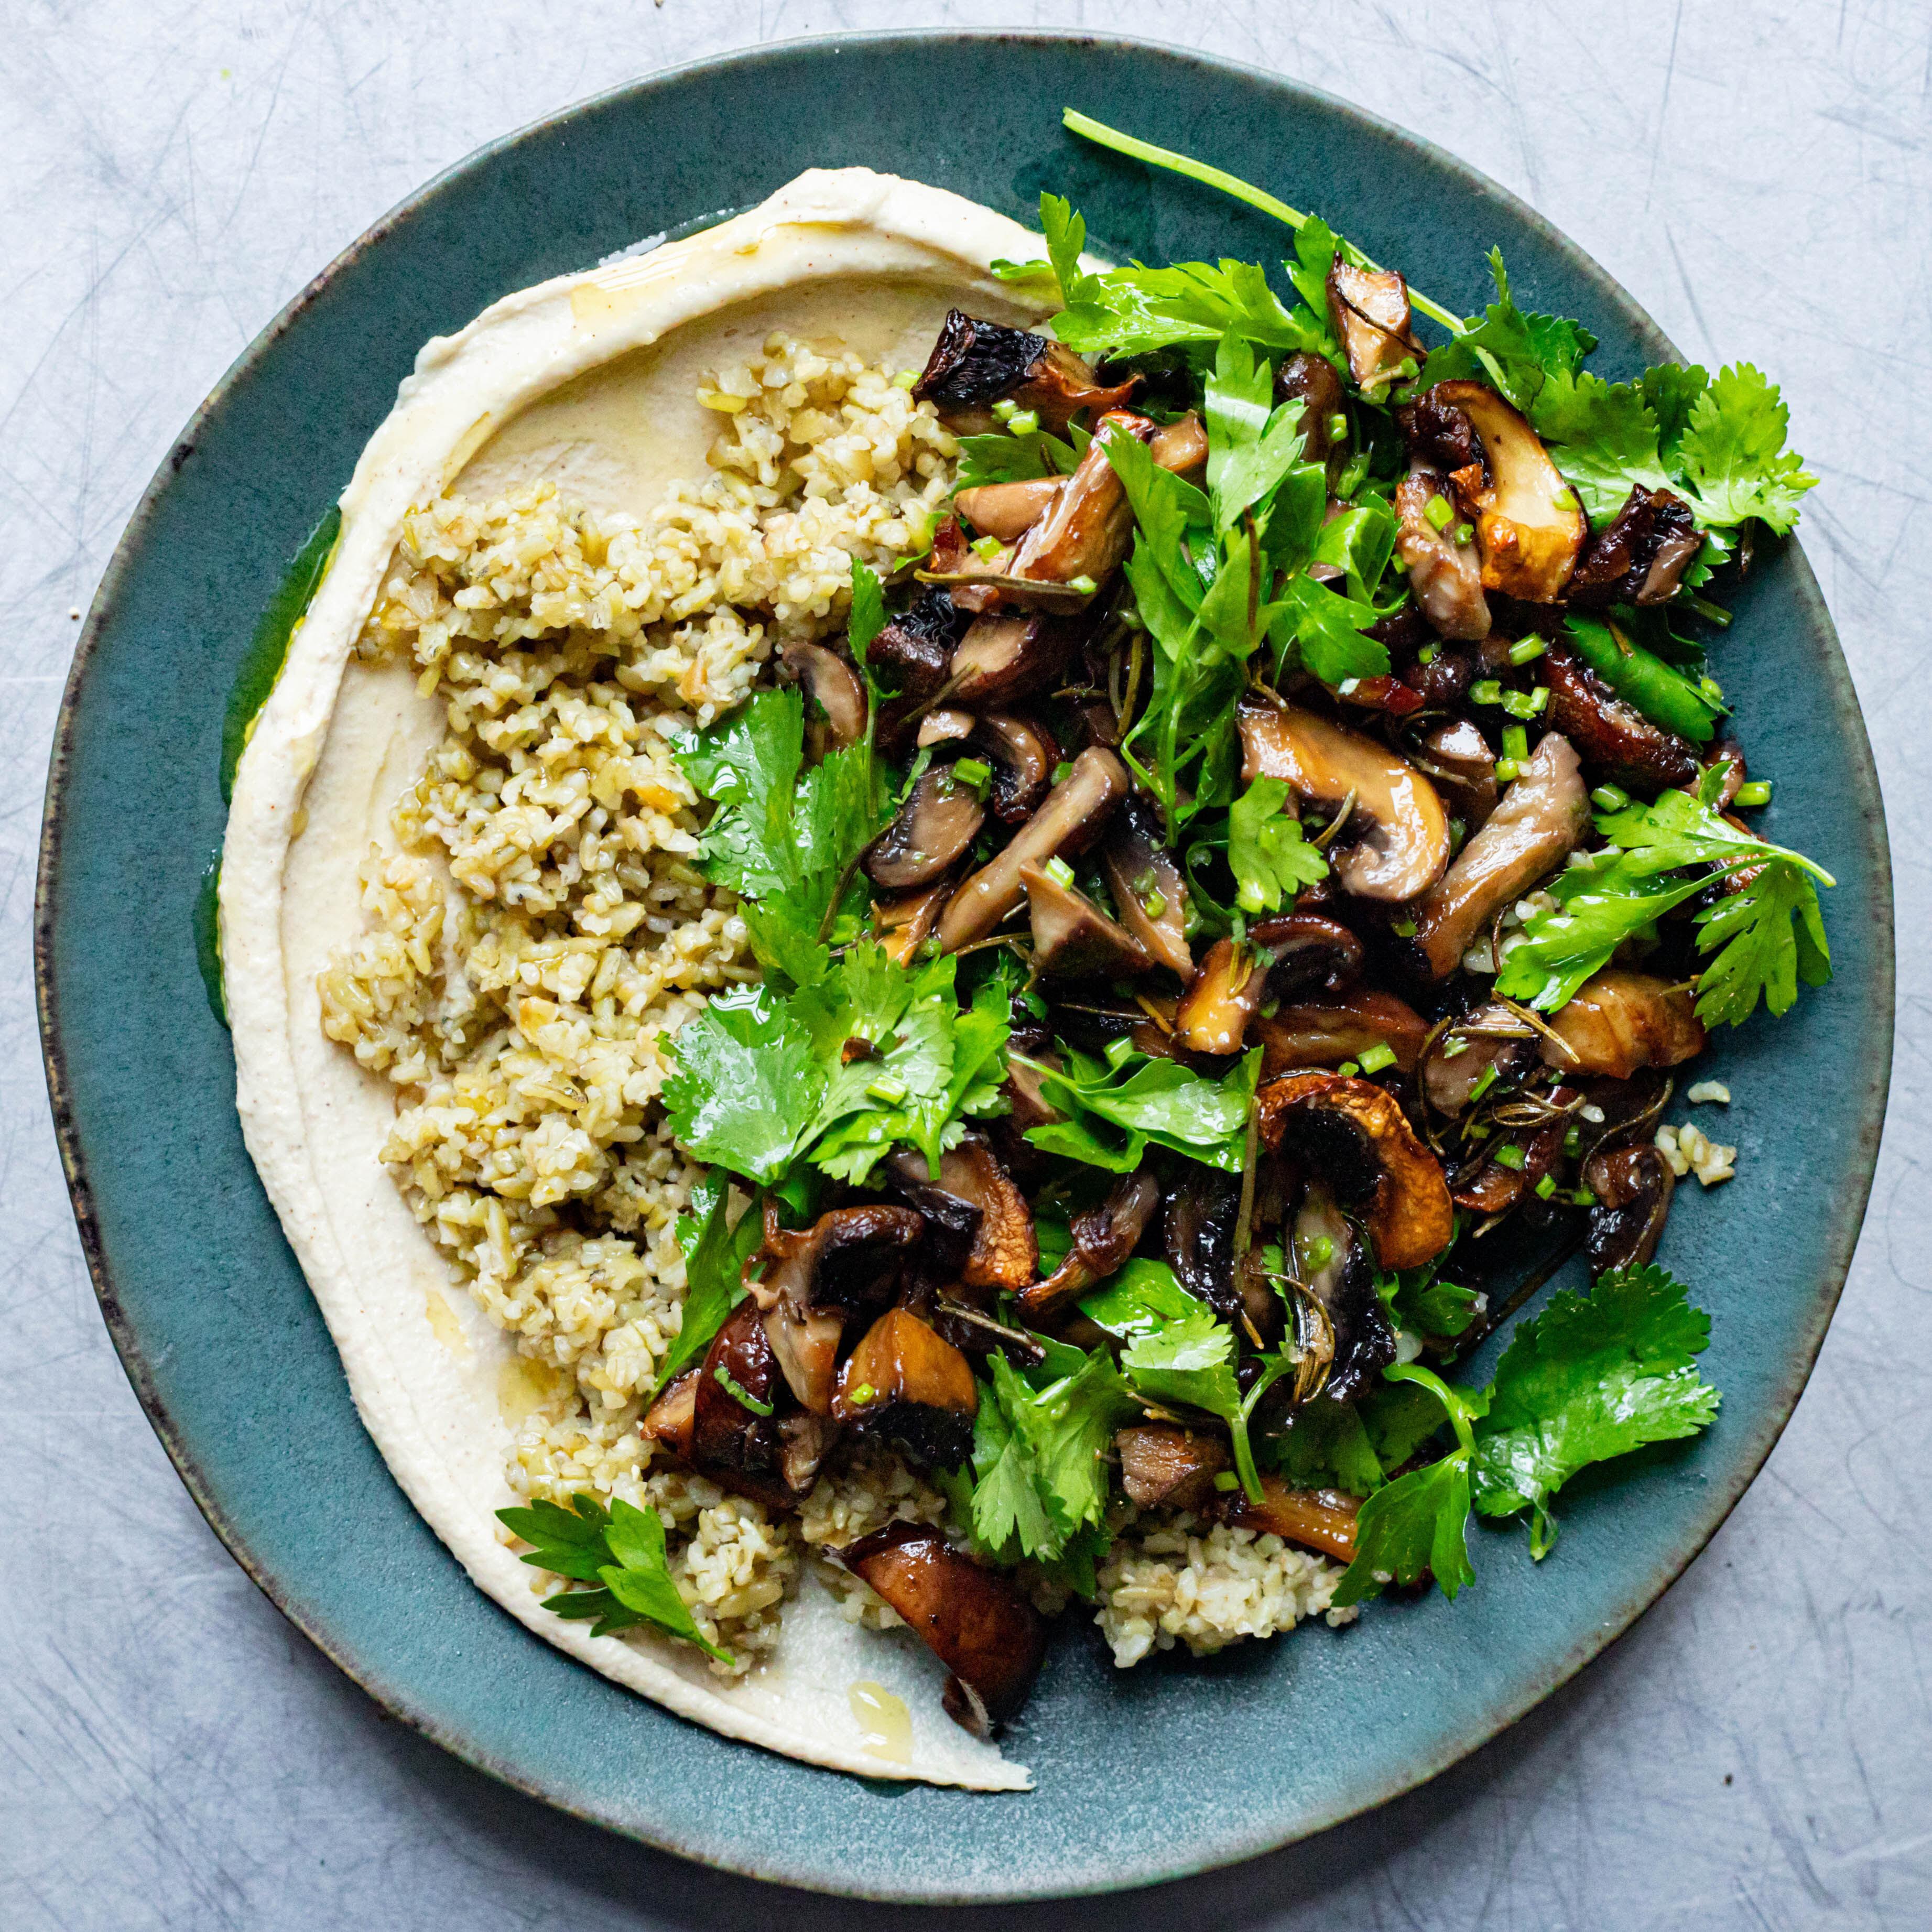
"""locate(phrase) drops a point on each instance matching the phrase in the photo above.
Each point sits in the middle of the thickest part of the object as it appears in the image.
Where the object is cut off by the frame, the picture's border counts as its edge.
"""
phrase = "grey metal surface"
(1757, 1754)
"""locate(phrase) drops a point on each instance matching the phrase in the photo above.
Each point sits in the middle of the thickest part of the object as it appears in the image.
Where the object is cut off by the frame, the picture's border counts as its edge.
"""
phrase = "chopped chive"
(1348, 1069)
(1539, 700)
(1062, 772)
(1610, 798)
(1426, 655)
(1226, 1479)
(1485, 1081)
(1006, 408)
(1081, 586)
(1521, 704)
(1059, 870)
(1515, 742)
(1316, 1254)
(1379, 1056)
(1464, 532)
(1507, 770)
(1545, 1187)
(986, 547)
(905, 378)
(974, 772)
(1758, 792)
(1485, 691)
(1573, 1142)
(1119, 1052)
(1527, 651)
(862, 1395)
(723, 1377)
(1583, 1198)
(1153, 903)
(1438, 512)
(1509, 1155)
(1456, 1045)
(1403, 929)
(1023, 422)
(1338, 427)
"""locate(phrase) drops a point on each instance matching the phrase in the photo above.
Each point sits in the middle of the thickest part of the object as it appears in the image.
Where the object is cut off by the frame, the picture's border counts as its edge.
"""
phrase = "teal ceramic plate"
(1143, 1775)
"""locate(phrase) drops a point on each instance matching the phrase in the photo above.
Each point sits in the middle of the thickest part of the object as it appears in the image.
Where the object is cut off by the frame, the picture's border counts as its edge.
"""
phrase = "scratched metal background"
(1756, 1755)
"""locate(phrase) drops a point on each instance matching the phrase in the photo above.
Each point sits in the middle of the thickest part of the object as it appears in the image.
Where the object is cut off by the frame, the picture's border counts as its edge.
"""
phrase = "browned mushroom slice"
(907, 1385)
(1007, 510)
(1445, 577)
(1003, 657)
(1311, 381)
(1222, 997)
(1441, 435)
(1640, 557)
(1309, 952)
(1369, 308)
(1086, 529)
(1395, 841)
(902, 924)
(733, 1438)
(911, 654)
(974, 1620)
(1323, 1519)
(805, 1343)
(670, 1419)
(1181, 446)
(1529, 834)
(934, 828)
(1529, 526)
(1197, 1235)
(1146, 882)
(1071, 818)
(975, 364)
(1022, 756)
(1338, 1272)
(1488, 1185)
(1326, 1033)
(1352, 1132)
(1459, 764)
(834, 687)
(1488, 1048)
(945, 726)
(1633, 1185)
(973, 1197)
(1027, 1097)
(1072, 938)
(1610, 734)
(1618, 1021)
(1103, 1237)
(1165, 1467)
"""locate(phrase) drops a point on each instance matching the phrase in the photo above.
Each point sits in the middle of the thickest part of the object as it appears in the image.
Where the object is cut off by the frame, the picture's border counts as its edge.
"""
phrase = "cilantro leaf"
(1328, 1446)
(1251, 445)
(867, 618)
(1190, 1359)
(1270, 858)
(749, 765)
(1135, 309)
(1158, 1101)
(1591, 1378)
(746, 1084)
(1518, 352)
(1328, 628)
(714, 1255)
(1142, 1296)
(1767, 936)
(623, 1549)
(1603, 439)
(1733, 455)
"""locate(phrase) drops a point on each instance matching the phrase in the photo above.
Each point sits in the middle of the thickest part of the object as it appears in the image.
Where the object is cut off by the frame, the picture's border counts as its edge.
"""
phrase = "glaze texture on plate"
(1144, 1775)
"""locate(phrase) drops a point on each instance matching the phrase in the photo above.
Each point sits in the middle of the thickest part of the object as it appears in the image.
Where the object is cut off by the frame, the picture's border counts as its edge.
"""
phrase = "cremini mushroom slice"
(1618, 1021)
(1326, 1033)
(734, 1441)
(1369, 308)
(1492, 1046)
(1145, 879)
(1087, 527)
(1072, 938)
(1456, 759)
(934, 826)
(1445, 577)
(945, 725)
(1633, 1187)
(1529, 834)
(1224, 994)
(975, 364)
(1353, 1134)
(1529, 526)
(834, 687)
(1006, 656)
(901, 925)
(1181, 446)
(1311, 381)
(669, 1421)
(1395, 841)
(973, 1619)
(1007, 510)
(973, 1197)
(1072, 815)
(1164, 1466)
(1640, 556)
(1197, 1227)
(1309, 951)
(1338, 1273)
(1103, 1237)
(1323, 1519)
(905, 1384)
(1023, 757)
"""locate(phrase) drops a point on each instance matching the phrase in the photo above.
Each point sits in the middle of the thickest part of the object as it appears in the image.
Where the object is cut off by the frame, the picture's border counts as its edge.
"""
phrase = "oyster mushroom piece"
(1445, 577)
(1611, 733)
(1163, 1466)
(1072, 938)
(1619, 1021)
(1224, 994)
(1311, 381)
(1072, 817)
(1458, 761)
(1181, 446)
(1022, 756)
(975, 364)
(1339, 1272)
(974, 1620)
(1103, 1237)
(901, 925)
(1327, 1032)
(1007, 510)
(934, 826)
(1395, 841)
(1369, 308)
(1323, 1519)
(1352, 1134)
(1640, 556)
(1004, 657)
(1086, 529)
(835, 688)
(906, 1384)
(945, 725)
(1529, 834)
(1197, 1235)
(1529, 526)
(1633, 1186)
(1145, 879)
(974, 1197)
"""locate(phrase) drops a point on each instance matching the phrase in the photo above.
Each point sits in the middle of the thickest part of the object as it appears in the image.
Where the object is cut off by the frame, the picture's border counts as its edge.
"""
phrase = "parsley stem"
(1461, 1410)
(1135, 149)
(1244, 1452)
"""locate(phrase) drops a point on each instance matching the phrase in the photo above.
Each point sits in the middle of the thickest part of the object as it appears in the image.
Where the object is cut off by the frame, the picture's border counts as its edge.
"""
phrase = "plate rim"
(395, 1699)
